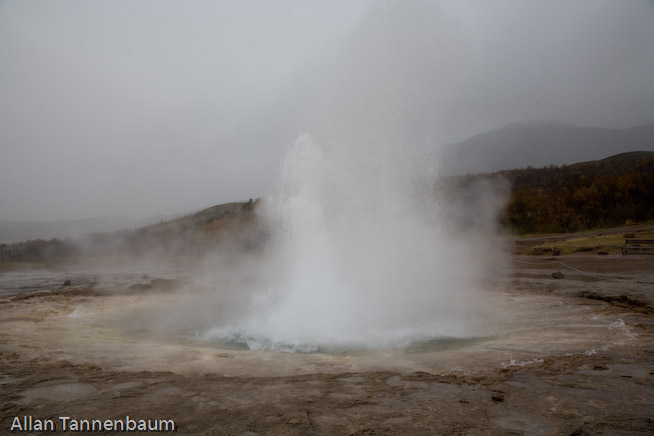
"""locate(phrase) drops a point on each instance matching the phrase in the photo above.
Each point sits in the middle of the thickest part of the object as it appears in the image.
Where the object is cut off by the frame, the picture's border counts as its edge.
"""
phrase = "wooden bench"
(641, 246)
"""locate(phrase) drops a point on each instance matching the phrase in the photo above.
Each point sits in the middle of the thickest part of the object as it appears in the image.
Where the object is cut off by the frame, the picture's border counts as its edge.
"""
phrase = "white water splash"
(364, 251)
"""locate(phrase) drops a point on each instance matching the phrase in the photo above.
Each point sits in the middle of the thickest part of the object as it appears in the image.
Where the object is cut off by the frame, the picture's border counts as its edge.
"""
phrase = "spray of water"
(364, 252)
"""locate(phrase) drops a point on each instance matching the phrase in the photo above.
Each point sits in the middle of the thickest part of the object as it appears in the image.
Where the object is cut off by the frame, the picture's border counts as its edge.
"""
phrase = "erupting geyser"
(364, 252)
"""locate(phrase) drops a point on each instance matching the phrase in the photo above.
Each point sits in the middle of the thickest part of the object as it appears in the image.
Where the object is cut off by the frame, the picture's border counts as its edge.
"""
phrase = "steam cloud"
(364, 250)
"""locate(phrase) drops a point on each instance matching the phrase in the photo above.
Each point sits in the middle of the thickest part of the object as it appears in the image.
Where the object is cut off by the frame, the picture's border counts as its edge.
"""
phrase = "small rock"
(557, 275)
(140, 286)
(224, 355)
(498, 397)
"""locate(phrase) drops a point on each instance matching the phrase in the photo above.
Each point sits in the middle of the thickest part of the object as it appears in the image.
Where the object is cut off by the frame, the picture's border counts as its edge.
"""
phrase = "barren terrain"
(575, 357)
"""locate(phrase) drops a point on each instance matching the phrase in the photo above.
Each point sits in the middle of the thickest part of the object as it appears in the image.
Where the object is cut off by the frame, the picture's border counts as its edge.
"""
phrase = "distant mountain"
(541, 143)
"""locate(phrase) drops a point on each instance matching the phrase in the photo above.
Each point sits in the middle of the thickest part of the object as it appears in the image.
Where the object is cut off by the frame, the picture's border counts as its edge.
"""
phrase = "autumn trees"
(586, 195)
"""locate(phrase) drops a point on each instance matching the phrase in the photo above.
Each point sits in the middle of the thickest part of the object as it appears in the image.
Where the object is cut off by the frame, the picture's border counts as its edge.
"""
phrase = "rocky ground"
(48, 368)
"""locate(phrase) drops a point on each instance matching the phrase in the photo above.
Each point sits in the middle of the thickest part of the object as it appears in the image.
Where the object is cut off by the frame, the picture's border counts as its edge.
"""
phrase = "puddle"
(60, 392)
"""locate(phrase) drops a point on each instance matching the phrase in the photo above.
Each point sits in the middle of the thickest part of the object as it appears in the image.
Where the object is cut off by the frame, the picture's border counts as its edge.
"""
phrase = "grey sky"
(139, 108)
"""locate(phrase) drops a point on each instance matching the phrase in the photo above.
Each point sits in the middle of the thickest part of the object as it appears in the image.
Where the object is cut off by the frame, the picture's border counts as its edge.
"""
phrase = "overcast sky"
(123, 108)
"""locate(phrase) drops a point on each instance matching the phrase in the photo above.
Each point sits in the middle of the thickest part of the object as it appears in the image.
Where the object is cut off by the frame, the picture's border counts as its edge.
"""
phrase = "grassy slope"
(606, 240)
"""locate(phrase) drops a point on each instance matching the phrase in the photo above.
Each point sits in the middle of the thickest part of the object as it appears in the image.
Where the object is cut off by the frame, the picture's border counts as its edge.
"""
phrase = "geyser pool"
(239, 339)
(150, 332)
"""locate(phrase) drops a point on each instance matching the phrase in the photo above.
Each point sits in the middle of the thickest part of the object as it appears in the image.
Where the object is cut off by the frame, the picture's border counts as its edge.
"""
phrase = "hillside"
(192, 234)
(552, 199)
(14, 231)
(606, 192)
(541, 143)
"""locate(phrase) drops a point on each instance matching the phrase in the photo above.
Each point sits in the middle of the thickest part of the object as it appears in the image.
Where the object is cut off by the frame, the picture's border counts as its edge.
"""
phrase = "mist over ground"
(136, 109)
